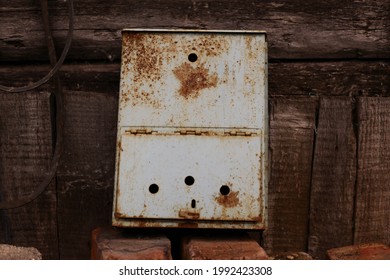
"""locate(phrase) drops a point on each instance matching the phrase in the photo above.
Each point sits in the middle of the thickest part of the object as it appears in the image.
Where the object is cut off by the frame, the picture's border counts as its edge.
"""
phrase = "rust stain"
(120, 146)
(188, 225)
(251, 45)
(119, 215)
(194, 79)
(229, 201)
(117, 195)
(188, 214)
(257, 219)
(211, 45)
(141, 96)
(142, 50)
(141, 55)
(142, 224)
(144, 55)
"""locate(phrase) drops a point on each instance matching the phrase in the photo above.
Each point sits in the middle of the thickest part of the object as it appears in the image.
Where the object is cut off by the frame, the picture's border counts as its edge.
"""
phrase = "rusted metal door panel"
(189, 177)
(181, 79)
(192, 130)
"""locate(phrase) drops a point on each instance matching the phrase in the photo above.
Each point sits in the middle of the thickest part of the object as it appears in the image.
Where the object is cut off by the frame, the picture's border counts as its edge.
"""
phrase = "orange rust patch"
(188, 214)
(229, 201)
(142, 224)
(120, 146)
(194, 79)
(211, 45)
(141, 96)
(119, 215)
(141, 56)
(145, 55)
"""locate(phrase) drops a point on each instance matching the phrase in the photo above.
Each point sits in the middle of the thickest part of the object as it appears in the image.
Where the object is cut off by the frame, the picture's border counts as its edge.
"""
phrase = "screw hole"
(189, 180)
(193, 203)
(224, 190)
(192, 57)
(153, 188)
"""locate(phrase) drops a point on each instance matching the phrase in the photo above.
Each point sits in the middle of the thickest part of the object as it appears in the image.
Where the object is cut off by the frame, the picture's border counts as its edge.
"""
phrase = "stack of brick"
(9, 252)
(122, 244)
(372, 251)
(222, 247)
(127, 244)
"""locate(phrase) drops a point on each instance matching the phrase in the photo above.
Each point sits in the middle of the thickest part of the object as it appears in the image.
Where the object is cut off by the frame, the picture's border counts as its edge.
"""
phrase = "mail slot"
(192, 130)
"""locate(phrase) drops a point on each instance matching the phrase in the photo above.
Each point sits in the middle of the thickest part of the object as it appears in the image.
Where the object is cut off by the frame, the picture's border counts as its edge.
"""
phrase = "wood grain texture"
(86, 173)
(337, 78)
(333, 177)
(25, 155)
(102, 78)
(353, 78)
(296, 29)
(372, 215)
(292, 123)
(83, 205)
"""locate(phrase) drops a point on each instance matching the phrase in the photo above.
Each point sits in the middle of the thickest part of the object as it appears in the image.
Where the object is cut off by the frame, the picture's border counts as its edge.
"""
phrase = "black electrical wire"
(59, 63)
(58, 99)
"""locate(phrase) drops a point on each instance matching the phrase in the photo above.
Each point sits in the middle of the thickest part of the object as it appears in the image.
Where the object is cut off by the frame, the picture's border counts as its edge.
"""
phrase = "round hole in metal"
(192, 57)
(153, 188)
(189, 180)
(224, 190)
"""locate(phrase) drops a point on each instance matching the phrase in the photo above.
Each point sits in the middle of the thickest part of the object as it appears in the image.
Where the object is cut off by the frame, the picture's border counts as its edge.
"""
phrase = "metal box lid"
(191, 78)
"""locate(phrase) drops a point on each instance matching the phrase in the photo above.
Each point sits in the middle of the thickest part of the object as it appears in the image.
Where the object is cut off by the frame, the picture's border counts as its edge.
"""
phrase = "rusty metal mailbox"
(192, 130)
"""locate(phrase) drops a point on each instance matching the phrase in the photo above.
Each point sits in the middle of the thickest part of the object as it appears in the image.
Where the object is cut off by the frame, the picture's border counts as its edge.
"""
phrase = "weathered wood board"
(315, 29)
(292, 124)
(372, 215)
(344, 78)
(86, 173)
(331, 78)
(25, 155)
(333, 177)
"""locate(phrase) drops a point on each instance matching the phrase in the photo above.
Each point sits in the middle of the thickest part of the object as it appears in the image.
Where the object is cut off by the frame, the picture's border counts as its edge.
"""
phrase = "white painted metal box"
(192, 130)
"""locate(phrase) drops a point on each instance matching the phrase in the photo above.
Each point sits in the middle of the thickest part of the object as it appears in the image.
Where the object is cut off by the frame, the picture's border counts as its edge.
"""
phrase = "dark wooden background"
(329, 82)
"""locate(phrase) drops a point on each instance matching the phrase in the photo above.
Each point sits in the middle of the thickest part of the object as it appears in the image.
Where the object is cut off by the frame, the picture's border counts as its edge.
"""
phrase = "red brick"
(123, 244)
(360, 252)
(10, 252)
(225, 247)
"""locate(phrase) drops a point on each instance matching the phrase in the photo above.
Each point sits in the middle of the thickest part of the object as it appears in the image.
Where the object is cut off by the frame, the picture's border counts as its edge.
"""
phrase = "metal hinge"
(239, 133)
(189, 132)
(208, 132)
(140, 131)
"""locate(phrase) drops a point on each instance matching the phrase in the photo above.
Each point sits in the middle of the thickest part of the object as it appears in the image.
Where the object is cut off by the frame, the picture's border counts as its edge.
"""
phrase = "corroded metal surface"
(192, 130)
(223, 87)
(165, 161)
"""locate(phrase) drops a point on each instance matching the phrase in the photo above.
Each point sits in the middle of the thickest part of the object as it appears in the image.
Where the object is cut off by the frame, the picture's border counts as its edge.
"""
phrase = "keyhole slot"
(193, 203)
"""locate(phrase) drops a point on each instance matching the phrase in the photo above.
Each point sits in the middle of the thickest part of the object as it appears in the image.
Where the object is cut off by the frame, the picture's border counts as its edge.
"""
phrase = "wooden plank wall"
(372, 215)
(329, 116)
(25, 152)
(292, 124)
(333, 177)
